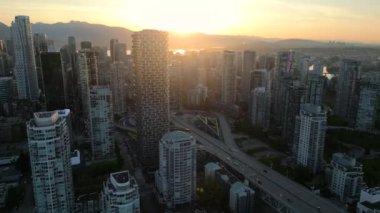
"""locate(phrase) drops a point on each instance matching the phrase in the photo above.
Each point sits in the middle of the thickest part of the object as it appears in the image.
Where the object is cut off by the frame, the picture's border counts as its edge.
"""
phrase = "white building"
(369, 103)
(120, 193)
(150, 59)
(309, 137)
(176, 177)
(25, 69)
(229, 78)
(101, 122)
(259, 111)
(49, 148)
(241, 198)
(347, 177)
(369, 201)
(119, 87)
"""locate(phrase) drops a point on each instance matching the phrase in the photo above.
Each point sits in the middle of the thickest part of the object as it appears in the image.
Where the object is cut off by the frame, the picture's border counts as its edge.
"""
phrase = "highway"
(294, 196)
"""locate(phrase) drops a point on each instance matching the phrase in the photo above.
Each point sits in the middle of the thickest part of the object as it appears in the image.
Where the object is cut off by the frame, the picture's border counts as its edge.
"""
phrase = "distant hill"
(101, 34)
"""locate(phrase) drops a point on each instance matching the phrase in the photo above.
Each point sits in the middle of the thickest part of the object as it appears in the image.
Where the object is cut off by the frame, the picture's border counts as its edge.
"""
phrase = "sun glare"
(208, 16)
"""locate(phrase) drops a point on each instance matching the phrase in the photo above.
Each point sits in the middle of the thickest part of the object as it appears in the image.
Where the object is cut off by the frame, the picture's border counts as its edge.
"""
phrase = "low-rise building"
(369, 200)
(346, 177)
(120, 194)
(241, 198)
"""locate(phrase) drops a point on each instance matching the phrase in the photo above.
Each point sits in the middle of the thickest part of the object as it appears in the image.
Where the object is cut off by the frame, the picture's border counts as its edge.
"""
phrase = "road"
(293, 195)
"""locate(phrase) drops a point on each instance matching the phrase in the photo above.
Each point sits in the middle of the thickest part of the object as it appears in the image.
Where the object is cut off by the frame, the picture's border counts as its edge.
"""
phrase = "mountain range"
(100, 35)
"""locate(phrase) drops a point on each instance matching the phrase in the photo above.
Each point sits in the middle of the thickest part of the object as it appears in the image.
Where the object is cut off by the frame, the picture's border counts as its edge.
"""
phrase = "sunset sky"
(349, 20)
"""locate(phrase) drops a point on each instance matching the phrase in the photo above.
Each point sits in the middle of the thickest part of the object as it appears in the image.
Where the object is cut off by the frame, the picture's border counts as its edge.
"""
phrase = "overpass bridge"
(276, 190)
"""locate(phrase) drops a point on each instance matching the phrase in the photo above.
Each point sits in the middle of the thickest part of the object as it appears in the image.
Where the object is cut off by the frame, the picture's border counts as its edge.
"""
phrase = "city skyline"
(338, 20)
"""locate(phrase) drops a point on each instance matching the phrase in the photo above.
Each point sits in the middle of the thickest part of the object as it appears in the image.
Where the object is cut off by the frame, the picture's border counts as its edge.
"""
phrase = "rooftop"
(371, 205)
(177, 136)
(373, 191)
(45, 118)
(121, 177)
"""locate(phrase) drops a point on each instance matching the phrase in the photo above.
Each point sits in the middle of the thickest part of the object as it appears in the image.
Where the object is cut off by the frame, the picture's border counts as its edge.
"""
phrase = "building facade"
(309, 137)
(150, 55)
(259, 111)
(176, 176)
(369, 200)
(25, 63)
(346, 99)
(120, 193)
(229, 78)
(6, 95)
(53, 80)
(295, 96)
(241, 198)
(368, 110)
(346, 178)
(249, 65)
(315, 89)
(101, 119)
(49, 148)
(119, 87)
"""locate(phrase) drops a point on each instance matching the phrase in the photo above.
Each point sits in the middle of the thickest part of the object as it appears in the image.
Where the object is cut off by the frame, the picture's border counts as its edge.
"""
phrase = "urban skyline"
(332, 20)
(237, 128)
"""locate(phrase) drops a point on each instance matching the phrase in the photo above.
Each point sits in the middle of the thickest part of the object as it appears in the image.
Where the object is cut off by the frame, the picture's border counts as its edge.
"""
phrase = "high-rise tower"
(150, 52)
(176, 177)
(309, 138)
(25, 62)
(49, 148)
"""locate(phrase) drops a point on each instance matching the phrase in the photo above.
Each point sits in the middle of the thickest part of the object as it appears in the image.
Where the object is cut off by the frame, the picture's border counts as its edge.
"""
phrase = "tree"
(23, 163)
(212, 196)
(14, 197)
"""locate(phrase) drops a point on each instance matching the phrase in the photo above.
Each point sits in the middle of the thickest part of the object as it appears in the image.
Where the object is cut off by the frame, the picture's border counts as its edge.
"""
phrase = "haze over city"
(319, 20)
(201, 106)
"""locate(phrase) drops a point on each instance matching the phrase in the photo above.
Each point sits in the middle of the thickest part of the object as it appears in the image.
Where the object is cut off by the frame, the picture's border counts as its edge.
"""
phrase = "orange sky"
(350, 20)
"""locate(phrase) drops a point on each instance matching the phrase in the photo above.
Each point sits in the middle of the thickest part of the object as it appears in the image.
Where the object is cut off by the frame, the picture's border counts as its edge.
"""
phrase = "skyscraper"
(259, 111)
(368, 110)
(92, 66)
(346, 99)
(119, 87)
(25, 62)
(101, 119)
(176, 177)
(229, 78)
(40, 42)
(284, 69)
(6, 95)
(53, 81)
(309, 137)
(49, 148)
(120, 193)
(249, 65)
(150, 49)
(113, 43)
(175, 78)
(315, 86)
(295, 96)
(83, 107)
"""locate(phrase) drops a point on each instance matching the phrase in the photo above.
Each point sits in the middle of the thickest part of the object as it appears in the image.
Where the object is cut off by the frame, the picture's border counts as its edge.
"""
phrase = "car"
(265, 171)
